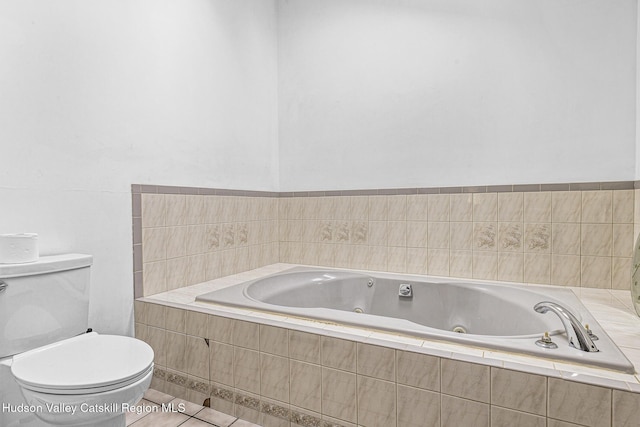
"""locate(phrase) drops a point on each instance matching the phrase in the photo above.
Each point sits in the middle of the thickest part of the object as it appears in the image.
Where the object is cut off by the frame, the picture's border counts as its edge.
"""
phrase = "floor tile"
(215, 417)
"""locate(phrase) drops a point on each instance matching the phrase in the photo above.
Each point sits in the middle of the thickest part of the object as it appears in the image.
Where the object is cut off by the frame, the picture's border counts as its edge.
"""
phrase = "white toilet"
(52, 372)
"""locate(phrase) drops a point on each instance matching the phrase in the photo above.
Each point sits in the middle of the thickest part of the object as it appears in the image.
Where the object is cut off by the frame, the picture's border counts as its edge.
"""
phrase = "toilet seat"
(88, 363)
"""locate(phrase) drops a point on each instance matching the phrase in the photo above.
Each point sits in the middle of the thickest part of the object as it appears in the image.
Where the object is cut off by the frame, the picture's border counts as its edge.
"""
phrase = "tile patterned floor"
(177, 412)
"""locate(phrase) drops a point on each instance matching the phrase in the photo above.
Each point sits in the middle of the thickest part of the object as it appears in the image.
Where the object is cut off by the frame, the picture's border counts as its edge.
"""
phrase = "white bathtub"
(491, 315)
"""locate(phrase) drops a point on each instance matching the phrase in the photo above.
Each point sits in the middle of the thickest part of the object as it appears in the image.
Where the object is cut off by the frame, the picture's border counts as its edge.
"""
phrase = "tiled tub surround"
(184, 239)
(278, 371)
(569, 238)
(566, 234)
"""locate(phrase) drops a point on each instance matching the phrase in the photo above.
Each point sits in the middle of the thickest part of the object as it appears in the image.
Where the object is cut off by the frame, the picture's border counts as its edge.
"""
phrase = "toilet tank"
(44, 301)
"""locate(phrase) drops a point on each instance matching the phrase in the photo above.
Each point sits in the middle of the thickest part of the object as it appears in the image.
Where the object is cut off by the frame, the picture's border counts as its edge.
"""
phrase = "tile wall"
(561, 234)
(184, 239)
(280, 377)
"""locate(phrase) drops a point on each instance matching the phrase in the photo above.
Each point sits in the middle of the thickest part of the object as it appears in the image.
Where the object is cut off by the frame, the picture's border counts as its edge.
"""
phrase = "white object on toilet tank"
(18, 248)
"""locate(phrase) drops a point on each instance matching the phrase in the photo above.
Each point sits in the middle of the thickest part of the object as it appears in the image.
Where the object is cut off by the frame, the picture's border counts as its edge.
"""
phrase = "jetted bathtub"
(491, 315)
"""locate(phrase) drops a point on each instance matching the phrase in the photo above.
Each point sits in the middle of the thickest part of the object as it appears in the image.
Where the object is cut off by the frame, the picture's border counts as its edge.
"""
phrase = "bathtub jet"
(481, 314)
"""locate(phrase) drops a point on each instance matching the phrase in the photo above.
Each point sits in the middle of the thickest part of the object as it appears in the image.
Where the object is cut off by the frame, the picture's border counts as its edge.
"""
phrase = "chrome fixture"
(370, 283)
(593, 336)
(3, 286)
(576, 333)
(405, 290)
(545, 342)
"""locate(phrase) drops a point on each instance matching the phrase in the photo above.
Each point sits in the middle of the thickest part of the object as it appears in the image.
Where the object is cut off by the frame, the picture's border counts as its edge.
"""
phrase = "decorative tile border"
(576, 186)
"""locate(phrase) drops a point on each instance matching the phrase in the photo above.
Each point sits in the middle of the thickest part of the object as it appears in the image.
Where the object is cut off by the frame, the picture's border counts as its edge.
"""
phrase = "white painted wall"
(98, 94)
(405, 93)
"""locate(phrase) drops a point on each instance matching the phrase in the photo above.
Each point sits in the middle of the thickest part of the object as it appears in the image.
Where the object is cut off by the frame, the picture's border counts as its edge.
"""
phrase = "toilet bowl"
(86, 380)
(51, 371)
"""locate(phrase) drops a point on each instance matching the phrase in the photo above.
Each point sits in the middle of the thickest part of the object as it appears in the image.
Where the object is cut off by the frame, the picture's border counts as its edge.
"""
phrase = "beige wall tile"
(501, 417)
(518, 390)
(359, 208)
(417, 234)
(438, 262)
(153, 210)
(510, 266)
(197, 357)
(596, 272)
(156, 338)
(213, 265)
(537, 207)
(304, 346)
(438, 235)
(175, 345)
(221, 363)
(397, 233)
(154, 277)
(376, 402)
(537, 237)
(338, 353)
(537, 268)
(378, 233)
(339, 394)
(485, 265)
(557, 423)
(417, 260)
(156, 315)
(461, 206)
(274, 377)
(566, 206)
(625, 408)
(579, 403)
(220, 329)
(461, 264)
(510, 236)
(306, 385)
(140, 311)
(274, 340)
(342, 232)
(417, 207)
(596, 239)
(175, 319)
(621, 273)
(623, 206)
(397, 208)
(196, 269)
(418, 370)
(465, 380)
(485, 236)
(154, 244)
(212, 237)
(246, 334)
(196, 323)
(623, 240)
(417, 408)
(176, 209)
(510, 207)
(397, 260)
(342, 208)
(378, 258)
(176, 273)
(565, 270)
(212, 209)
(195, 242)
(359, 232)
(246, 369)
(439, 205)
(597, 206)
(463, 412)
(485, 207)
(376, 361)
(565, 239)
(461, 235)
(378, 208)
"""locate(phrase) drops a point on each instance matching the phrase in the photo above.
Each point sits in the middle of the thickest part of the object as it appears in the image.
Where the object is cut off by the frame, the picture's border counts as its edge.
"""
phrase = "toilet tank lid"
(46, 264)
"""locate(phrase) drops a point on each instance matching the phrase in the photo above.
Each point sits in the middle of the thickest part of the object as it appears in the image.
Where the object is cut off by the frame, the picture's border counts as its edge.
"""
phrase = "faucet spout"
(576, 333)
